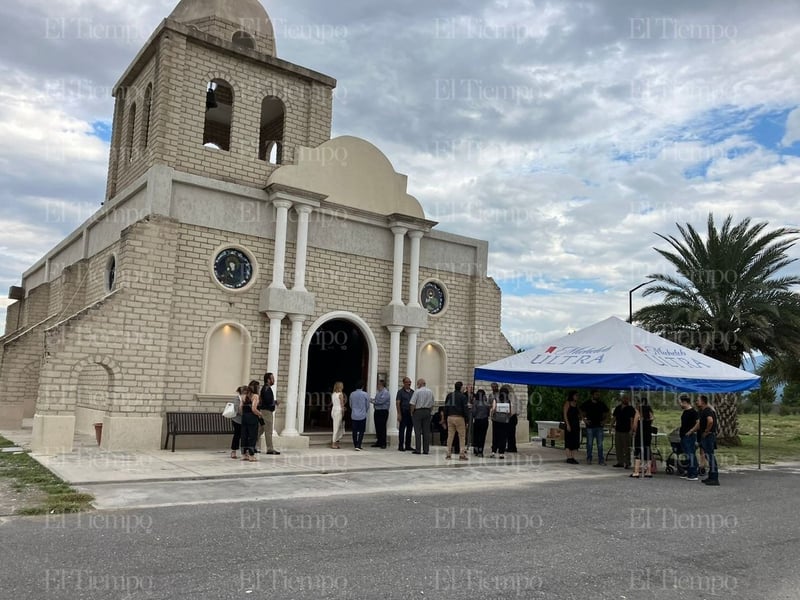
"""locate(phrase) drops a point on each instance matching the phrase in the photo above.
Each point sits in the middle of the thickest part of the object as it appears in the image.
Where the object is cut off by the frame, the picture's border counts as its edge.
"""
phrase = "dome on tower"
(249, 16)
(227, 10)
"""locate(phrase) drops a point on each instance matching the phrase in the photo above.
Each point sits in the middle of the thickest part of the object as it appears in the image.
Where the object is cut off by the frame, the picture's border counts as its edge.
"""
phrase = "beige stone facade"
(127, 318)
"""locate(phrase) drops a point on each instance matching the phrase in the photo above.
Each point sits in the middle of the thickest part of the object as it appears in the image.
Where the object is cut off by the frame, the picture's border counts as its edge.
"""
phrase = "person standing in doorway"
(381, 401)
(421, 403)
(338, 400)
(359, 407)
(708, 438)
(267, 405)
(595, 413)
(404, 423)
(621, 422)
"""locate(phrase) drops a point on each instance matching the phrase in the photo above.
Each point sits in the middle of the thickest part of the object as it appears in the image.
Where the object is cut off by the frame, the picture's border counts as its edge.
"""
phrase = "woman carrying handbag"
(251, 417)
(236, 421)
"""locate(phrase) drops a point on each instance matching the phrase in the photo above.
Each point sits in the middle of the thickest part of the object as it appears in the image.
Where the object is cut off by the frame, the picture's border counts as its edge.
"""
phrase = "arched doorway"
(337, 351)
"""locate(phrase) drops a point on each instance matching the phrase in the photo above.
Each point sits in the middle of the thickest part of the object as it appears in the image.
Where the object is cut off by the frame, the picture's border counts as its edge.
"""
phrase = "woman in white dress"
(338, 400)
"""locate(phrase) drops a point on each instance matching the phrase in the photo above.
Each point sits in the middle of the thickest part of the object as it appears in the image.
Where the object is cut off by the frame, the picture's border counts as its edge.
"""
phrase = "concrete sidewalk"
(88, 464)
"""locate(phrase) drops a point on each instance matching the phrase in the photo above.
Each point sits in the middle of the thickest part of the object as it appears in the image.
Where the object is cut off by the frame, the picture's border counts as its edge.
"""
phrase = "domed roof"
(234, 11)
(351, 172)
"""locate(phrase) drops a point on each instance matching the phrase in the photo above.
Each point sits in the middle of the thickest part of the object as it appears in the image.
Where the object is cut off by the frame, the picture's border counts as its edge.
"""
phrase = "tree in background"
(790, 404)
(727, 300)
(765, 395)
(547, 403)
(783, 370)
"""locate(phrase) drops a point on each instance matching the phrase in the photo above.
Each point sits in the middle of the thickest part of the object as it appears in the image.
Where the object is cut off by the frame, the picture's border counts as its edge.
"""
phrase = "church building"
(235, 238)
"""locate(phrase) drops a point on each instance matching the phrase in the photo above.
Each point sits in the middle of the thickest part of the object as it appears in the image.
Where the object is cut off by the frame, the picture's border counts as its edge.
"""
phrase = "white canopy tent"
(613, 354)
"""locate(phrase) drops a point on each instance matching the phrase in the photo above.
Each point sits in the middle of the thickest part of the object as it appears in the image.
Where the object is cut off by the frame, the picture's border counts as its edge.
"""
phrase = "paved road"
(591, 538)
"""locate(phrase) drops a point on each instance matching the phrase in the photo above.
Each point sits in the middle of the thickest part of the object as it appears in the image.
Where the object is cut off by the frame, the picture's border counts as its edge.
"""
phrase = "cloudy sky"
(566, 133)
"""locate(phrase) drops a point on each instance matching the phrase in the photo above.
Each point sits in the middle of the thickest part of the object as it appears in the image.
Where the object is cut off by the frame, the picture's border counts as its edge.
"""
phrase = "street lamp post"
(630, 299)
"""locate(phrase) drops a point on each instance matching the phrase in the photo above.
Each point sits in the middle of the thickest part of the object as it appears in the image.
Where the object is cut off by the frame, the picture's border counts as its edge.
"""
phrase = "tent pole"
(471, 421)
(759, 432)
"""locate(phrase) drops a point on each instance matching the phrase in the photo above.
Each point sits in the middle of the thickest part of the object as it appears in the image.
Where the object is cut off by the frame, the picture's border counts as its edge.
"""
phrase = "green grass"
(780, 438)
(25, 474)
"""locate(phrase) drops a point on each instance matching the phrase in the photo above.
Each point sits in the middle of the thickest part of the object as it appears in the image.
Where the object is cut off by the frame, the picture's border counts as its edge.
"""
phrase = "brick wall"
(180, 71)
(19, 370)
(93, 387)
(37, 305)
(128, 328)
(198, 303)
(13, 317)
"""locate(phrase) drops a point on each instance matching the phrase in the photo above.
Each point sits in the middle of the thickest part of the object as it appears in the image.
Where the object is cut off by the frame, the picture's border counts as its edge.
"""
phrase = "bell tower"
(208, 96)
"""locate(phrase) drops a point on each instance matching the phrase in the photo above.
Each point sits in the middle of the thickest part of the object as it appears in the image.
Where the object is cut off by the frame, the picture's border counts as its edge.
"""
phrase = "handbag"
(229, 411)
(503, 407)
(261, 421)
(562, 426)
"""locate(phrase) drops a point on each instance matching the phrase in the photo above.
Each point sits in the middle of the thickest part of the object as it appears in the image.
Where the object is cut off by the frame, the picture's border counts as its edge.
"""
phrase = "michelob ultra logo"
(671, 357)
(571, 355)
(596, 355)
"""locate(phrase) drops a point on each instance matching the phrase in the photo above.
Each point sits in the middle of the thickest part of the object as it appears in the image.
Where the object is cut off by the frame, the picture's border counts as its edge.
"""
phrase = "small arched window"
(270, 144)
(111, 273)
(244, 40)
(219, 115)
(148, 101)
(129, 143)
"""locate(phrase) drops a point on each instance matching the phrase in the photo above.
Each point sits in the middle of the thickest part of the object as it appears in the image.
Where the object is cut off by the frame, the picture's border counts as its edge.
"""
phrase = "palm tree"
(780, 369)
(726, 299)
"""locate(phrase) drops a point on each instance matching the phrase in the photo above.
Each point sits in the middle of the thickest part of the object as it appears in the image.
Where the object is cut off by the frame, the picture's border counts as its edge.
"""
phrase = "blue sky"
(566, 134)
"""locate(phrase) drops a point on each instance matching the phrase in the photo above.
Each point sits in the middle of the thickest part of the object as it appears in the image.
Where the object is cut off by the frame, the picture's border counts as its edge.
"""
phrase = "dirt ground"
(12, 500)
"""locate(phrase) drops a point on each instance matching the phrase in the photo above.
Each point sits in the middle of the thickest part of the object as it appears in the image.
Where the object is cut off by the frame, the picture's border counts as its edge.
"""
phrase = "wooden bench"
(196, 423)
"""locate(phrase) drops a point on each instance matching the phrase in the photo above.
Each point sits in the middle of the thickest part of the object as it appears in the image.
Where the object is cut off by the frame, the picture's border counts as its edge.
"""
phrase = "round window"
(432, 297)
(233, 268)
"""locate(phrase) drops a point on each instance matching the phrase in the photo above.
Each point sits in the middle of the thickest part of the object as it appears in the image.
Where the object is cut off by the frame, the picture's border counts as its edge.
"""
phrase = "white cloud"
(792, 134)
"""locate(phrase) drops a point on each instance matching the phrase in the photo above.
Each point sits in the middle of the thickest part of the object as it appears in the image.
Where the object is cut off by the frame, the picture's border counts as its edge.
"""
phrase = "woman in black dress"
(642, 433)
(250, 420)
(572, 420)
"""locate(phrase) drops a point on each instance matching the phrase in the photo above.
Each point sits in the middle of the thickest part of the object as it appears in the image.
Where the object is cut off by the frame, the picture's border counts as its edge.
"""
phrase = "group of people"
(255, 409)
(463, 410)
(635, 424)
(699, 430)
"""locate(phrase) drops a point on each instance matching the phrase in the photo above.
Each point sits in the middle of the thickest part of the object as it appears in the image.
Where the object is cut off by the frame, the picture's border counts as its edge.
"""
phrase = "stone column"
(281, 218)
(411, 360)
(394, 368)
(413, 276)
(293, 377)
(397, 272)
(274, 351)
(301, 247)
